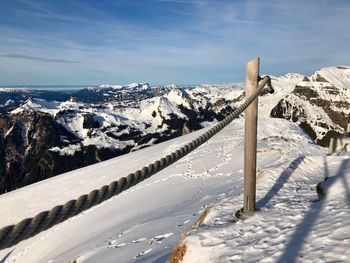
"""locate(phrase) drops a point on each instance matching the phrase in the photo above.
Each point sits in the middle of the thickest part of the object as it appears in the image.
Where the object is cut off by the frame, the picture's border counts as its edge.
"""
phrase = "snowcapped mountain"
(319, 103)
(42, 138)
(47, 133)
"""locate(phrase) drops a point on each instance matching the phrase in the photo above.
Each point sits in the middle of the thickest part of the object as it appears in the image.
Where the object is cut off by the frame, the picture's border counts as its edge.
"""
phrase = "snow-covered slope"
(339, 76)
(144, 223)
(292, 225)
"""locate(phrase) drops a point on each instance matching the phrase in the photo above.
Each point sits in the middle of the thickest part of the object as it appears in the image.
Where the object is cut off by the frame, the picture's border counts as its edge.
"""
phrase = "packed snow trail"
(292, 225)
(144, 223)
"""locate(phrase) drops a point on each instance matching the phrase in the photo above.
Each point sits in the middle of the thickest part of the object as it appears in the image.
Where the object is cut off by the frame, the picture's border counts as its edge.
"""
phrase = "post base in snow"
(322, 188)
(242, 215)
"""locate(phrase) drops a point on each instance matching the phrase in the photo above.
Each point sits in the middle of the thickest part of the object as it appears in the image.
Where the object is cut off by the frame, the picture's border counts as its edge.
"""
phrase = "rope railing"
(29, 227)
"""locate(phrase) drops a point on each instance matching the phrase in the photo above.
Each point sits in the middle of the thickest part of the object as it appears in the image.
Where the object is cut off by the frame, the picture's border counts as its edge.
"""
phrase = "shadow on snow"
(296, 242)
(280, 182)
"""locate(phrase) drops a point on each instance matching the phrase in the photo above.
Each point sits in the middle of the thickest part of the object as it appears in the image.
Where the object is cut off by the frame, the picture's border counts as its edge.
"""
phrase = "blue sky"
(167, 41)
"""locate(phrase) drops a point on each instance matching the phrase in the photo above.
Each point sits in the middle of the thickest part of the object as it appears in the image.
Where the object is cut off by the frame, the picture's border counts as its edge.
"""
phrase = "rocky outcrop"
(25, 157)
(90, 122)
(320, 108)
(319, 78)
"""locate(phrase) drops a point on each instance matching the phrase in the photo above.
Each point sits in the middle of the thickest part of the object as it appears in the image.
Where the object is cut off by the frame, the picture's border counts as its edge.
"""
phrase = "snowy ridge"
(146, 116)
(339, 76)
(15, 90)
(129, 87)
(321, 102)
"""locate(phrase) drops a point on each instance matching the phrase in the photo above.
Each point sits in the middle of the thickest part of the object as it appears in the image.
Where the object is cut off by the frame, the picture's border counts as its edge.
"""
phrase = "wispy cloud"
(164, 41)
(39, 59)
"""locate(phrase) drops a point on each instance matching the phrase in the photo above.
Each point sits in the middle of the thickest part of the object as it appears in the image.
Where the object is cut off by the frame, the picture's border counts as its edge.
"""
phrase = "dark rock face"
(285, 110)
(319, 110)
(306, 78)
(24, 155)
(305, 92)
(319, 78)
(308, 129)
(90, 122)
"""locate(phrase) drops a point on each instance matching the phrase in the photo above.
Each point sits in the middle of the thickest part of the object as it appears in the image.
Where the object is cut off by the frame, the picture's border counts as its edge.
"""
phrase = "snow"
(339, 76)
(176, 97)
(128, 87)
(69, 150)
(292, 225)
(9, 102)
(19, 89)
(214, 92)
(38, 105)
(144, 223)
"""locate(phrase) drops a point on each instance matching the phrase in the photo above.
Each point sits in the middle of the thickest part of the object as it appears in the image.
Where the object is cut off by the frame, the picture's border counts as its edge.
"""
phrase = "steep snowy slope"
(144, 223)
(339, 76)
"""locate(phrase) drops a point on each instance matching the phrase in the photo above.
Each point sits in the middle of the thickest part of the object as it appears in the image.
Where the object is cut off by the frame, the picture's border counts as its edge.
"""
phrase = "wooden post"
(251, 119)
(332, 145)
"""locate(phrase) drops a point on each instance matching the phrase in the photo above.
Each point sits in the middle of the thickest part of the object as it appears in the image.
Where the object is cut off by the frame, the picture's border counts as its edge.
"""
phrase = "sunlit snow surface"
(292, 225)
(144, 223)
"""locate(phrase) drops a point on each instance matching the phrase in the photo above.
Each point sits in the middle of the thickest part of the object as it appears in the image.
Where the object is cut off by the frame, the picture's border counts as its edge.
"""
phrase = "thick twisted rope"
(13, 234)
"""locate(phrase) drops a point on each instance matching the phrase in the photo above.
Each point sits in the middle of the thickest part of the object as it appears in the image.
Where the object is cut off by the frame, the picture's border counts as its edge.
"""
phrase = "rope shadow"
(296, 242)
(3, 260)
(347, 189)
(280, 182)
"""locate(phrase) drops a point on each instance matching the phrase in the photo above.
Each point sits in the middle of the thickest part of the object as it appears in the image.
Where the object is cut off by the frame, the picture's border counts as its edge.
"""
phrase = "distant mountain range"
(45, 133)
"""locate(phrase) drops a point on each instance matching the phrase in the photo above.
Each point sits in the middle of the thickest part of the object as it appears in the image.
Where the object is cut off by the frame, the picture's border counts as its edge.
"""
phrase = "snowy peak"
(294, 76)
(320, 103)
(127, 88)
(339, 76)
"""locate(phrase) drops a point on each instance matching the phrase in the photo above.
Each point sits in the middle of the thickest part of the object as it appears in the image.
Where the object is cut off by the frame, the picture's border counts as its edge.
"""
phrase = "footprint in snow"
(114, 244)
(139, 240)
(184, 223)
(158, 239)
(143, 253)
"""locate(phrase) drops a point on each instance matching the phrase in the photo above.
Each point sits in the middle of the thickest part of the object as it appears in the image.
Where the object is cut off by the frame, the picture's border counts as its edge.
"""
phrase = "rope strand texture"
(29, 227)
